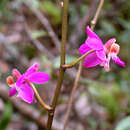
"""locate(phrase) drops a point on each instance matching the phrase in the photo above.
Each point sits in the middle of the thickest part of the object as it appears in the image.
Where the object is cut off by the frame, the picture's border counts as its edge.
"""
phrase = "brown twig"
(45, 23)
(78, 32)
(43, 104)
(93, 23)
(89, 14)
(69, 107)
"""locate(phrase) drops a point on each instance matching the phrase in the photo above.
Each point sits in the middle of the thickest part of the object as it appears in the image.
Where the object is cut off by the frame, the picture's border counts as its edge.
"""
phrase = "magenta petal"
(12, 91)
(39, 77)
(101, 55)
(91, 60)
(91, 34)
(84, 48)
(20, 80)
(26, 93)
(34, 100)
(118, 61)
(94, 43)
(32, 69)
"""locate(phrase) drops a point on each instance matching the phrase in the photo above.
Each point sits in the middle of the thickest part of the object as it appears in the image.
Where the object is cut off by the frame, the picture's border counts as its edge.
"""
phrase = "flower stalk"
(44, 105)
(62, 62)
(77, 60)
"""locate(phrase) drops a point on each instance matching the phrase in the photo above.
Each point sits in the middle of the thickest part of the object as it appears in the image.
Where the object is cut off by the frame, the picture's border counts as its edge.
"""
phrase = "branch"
(77, 60)
(62, 62)
(69, 107)
(93, 23)
(78, 32)
(45, 23)
(89, 14)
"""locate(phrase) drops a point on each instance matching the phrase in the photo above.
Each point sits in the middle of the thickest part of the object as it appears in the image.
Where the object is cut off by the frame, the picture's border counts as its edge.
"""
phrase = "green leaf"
(123, 124)
(37, 33)
(6, 117)
(69, 59)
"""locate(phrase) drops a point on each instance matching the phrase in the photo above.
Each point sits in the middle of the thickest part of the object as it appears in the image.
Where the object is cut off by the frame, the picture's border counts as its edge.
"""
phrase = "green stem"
(78, 60)
(62, 70)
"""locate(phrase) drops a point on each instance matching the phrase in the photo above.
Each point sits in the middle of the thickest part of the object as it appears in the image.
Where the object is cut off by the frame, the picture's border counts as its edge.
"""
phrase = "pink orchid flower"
(25, 92)
(102, 54)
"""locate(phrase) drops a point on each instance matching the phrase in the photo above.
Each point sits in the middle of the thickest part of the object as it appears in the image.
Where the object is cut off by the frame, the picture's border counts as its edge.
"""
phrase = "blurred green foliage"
(6, 117)
(52, 10)
(124, 124)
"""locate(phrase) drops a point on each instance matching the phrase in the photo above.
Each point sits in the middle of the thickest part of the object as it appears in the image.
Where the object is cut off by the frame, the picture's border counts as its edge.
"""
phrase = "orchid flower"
(102, 54)
(22, 86)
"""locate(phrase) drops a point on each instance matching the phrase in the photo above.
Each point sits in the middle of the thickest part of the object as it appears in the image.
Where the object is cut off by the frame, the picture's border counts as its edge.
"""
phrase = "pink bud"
(16, 73)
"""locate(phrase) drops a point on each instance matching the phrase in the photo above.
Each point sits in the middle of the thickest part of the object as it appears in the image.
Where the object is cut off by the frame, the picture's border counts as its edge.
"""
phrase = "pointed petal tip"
(87, 27)
(118, 61)
(39, 77)
(12, 91)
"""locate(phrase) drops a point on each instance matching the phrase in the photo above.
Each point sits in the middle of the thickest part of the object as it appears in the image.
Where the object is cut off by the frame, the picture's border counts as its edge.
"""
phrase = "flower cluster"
(22, 84)
(102, 54)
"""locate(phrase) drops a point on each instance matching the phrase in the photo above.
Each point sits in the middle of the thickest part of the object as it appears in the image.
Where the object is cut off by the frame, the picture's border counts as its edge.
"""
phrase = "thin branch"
(89, 15)
(78, 32)
(69, 107)
(77, 60)
(93, 23)
(45, 23)
(62, 62)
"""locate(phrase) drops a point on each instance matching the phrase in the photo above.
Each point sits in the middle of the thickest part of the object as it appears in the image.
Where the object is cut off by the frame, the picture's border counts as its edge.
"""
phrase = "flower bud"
(10, 80)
